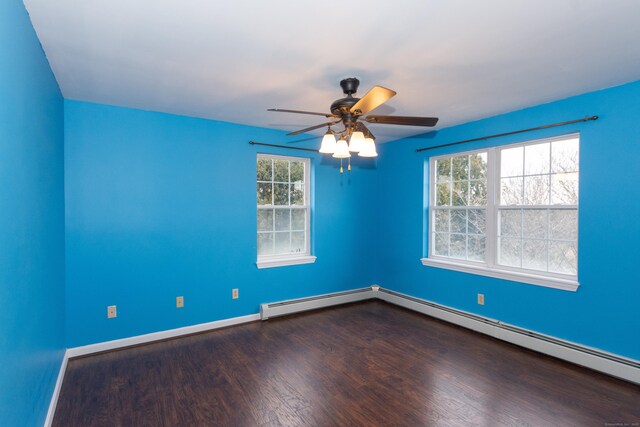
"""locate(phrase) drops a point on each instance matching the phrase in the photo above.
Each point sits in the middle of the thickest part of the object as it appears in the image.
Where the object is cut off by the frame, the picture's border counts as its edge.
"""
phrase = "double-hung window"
(283, 212)
(509, 212)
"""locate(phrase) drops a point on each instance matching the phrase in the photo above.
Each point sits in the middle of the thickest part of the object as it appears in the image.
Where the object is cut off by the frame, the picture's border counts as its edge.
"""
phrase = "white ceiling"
(459, 60)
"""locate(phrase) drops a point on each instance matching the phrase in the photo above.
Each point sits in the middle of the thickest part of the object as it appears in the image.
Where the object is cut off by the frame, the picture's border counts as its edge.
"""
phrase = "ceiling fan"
(350, 112)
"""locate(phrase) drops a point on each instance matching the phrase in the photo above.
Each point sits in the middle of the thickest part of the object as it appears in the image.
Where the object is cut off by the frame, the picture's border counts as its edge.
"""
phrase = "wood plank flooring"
(364, 364)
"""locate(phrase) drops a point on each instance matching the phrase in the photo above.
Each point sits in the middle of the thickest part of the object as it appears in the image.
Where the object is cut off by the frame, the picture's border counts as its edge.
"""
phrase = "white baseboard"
(156, 336)
(593, 358)
(56, 391)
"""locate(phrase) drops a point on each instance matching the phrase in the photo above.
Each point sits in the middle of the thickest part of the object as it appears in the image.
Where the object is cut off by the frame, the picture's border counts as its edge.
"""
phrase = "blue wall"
(159, 205)
(31, 222)
(604, 312)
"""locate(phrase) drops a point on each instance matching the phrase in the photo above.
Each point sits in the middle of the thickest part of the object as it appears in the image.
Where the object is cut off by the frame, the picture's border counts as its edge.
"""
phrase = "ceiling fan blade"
(298, 132)
(377, 96)
(402, 120)
(281, 110)
(365, 130)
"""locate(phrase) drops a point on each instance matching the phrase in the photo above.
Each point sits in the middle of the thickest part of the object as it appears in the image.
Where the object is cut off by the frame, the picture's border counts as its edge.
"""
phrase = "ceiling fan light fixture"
(356, 142)
(368, 148)
(329, 143)
(342, 150)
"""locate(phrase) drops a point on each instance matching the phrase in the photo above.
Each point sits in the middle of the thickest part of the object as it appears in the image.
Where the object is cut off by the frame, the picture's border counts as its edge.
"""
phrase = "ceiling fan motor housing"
(350, 85)
(341, 107)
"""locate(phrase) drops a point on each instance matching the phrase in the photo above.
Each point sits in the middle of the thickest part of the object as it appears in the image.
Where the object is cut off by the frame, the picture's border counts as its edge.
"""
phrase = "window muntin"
(282, 195)
(512, 208)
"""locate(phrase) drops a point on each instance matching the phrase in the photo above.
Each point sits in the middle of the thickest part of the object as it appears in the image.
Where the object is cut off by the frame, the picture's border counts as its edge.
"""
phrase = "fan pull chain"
(341, 168)
(349, 167)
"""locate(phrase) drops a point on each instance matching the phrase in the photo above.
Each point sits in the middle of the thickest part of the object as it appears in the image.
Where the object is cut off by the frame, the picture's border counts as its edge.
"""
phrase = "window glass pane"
(564, 189)
(476, 248)
(478, 165)
(536, 190)
(443, 194)
(281, 170)
(281, 194)
(265, 244)
(565, 155)
(534, 254)
(511, 162)
(537, 158)
(443, 170)
(458, 221)
(563, 224)
(298, 219)
(511, 191)
(535, 223)
(265, 219)
(265, 170)
(458, 247)
(297, 194)
(442, 220)
(563, 257)
(283, 220)
(441, 246)
(297, 171)
(460, 196)
(283, 242)
(509, 251)
(510, 223)
(477, 221)
(297, 242)
(478, 193)
(264, 193)
(460, 168)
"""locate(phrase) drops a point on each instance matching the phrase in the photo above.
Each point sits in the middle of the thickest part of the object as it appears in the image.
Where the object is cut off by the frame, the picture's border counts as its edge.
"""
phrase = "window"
(283, 211)
(508, 212)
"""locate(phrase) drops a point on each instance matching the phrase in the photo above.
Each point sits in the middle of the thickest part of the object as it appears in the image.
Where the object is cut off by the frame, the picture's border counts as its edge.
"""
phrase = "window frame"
(490, 266)
(281, 260)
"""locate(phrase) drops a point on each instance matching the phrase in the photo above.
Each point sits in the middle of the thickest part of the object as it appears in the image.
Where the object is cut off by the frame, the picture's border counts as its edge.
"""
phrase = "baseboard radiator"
(283, 308)
(609, 363)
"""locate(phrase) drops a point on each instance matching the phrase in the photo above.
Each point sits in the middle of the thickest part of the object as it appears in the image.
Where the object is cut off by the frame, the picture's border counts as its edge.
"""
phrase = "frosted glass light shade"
(328, 144)
(368, 148)
(356, 142)
(342, 150)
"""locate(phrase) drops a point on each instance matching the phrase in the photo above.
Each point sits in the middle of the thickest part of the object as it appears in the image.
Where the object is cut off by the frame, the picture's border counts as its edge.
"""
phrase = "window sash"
(292, 230)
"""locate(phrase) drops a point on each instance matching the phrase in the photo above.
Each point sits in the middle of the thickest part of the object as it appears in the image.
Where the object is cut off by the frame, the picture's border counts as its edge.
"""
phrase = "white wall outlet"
(112, 312)
(179, 302)
(234, 293)
(481, 299)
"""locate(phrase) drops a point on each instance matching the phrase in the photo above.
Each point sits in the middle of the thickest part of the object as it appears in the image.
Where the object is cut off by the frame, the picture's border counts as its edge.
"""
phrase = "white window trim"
(490, 268)
(284, 260)
(529, 278)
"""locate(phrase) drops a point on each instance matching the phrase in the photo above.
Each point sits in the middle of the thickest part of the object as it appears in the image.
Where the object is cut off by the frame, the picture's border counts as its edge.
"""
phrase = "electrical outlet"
(234, 293)
(179, 302)
(481, 299)
(112, 312)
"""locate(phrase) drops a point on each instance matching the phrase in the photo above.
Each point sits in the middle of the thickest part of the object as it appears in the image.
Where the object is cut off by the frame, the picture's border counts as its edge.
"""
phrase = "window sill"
(285, 261)
(532, 279)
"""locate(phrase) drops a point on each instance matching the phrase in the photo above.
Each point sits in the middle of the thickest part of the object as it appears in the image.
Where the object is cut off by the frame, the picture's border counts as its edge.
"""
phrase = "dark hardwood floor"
(365, 364)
